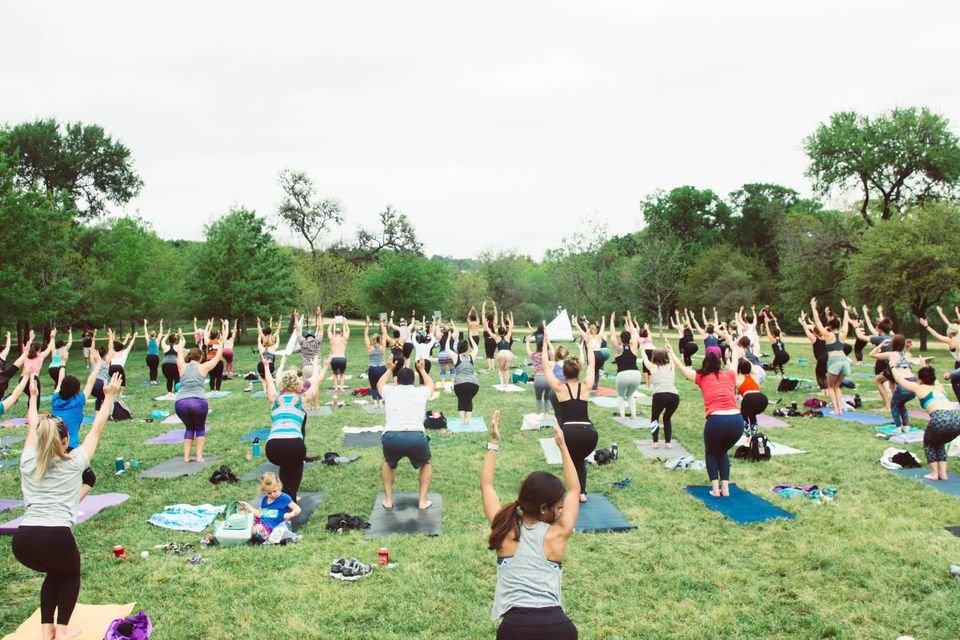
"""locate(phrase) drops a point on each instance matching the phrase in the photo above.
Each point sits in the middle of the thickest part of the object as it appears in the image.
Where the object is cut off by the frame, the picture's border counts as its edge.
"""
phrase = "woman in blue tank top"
(530, 537)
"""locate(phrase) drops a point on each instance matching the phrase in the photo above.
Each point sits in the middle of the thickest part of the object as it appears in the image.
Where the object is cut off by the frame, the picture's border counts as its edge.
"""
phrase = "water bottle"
(614, 450)
(256, 448)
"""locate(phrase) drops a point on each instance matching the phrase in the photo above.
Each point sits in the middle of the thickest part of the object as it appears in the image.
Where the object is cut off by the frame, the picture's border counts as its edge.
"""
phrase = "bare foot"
(387, 504)
(669, 445)
(199, 460)
(583, 497)
(65, 633)
(426, 505)
(655, 445)
(715, 494)
(932, 476)
(725, 493)
(188, 459)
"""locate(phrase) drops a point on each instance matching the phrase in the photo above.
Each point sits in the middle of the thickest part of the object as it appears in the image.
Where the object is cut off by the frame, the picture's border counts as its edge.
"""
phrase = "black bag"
(435, 420)
(603, 456)
(759, 447)
(224, 474)
(787, 384)
(340, 522)
(120, 411)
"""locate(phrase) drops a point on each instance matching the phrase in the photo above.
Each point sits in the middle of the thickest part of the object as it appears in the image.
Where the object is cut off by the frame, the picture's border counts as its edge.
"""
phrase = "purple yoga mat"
(9, 504)
(770, 422)
(88, 507)
(14, 422)
(174, 436)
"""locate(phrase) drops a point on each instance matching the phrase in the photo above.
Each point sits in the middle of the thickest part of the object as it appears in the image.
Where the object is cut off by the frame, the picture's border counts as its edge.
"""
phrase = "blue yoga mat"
(262, 433)
(87, 420)
(951, 486)
(742, 506)
(853, 416)
(476, 424)
(597, 515)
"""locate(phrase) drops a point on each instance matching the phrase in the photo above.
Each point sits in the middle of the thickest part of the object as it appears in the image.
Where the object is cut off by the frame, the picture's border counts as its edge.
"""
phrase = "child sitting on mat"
(276, 508)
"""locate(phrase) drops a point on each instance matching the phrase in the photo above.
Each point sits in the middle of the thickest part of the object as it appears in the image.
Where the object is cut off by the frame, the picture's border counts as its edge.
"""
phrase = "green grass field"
(871, 564)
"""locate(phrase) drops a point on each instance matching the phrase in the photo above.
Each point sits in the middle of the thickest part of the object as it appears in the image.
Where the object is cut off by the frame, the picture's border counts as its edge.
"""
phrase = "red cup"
(119, 552)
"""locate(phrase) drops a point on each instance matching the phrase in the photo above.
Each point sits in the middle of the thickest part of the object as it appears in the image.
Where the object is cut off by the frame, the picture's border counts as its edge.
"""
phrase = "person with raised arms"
(228, 342)
(541, 388)
(191, 401)
(121, 350)
(686, 342)
(571, 410)
(838, 363)
(629, 378)
(952, 340)
(168, 366)
(504, 342)
(665, 399)
(338, 336)
(68, 403)
(32, 355)
(882, 333)
(376, 360)
(286, 445)
(403, 435)
(51, 481)
(465, 382)
(724, 424)
(529, 536)
(774, 335)
(153, 350)
(59, 357)
(474, 326)
(944, 424)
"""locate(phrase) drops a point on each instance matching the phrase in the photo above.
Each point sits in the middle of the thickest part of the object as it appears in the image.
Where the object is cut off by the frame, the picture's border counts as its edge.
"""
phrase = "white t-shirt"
(406, 406)
(52, 501)
(423, 348)
(120, 358)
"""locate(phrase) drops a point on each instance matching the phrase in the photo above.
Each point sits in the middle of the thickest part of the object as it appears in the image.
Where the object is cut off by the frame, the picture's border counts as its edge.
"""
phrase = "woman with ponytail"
(530, 537)
(50, 479)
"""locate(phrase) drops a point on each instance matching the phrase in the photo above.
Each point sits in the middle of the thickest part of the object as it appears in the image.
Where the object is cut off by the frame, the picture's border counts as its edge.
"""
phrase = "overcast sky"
(502, 125)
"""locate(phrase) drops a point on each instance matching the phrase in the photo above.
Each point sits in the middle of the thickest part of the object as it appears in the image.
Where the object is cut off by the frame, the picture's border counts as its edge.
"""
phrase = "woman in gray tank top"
(465, 383)
(530, 537)
(191, 404)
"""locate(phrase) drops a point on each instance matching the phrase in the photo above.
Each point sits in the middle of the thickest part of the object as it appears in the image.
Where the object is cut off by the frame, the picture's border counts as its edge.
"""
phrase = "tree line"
(69, 263)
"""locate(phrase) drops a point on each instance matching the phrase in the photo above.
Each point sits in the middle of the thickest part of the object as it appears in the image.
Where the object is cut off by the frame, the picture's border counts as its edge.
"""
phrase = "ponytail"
(507, 521)
(49, 446)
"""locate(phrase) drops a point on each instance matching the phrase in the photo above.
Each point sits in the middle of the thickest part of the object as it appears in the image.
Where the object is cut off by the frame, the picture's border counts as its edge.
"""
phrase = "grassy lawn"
(871, 564)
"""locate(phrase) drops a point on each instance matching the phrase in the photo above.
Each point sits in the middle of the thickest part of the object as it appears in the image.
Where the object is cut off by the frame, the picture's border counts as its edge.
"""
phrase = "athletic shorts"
(838, 365)
(338, 365)
(405, 444)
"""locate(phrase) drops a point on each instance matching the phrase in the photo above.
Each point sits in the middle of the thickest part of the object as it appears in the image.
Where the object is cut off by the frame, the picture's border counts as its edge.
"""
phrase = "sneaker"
(336, 568)
(353, 569)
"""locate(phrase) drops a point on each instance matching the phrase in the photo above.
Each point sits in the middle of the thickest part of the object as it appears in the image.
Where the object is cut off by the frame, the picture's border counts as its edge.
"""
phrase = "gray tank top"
(464, 371)
(662, 380)
(376, 356)
(527, 579)
(191, 383)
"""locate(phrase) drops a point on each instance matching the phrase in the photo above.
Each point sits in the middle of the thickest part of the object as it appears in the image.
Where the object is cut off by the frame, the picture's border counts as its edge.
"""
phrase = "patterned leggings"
(943, 427)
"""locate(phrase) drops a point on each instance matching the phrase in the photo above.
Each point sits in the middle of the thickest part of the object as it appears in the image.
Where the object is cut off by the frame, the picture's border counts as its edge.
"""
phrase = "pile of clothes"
(812, 492)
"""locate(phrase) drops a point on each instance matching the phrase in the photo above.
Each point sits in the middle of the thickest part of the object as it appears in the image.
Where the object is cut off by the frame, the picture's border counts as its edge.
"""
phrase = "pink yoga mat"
(604, 391)
(9, 504)
(88, 507)
(14, 422)
(770, 422)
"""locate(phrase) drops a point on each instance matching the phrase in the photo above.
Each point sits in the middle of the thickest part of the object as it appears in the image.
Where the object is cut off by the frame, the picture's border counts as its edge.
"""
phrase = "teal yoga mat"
(950, 487)
(477, 424)
(741, 506)
(598, 515)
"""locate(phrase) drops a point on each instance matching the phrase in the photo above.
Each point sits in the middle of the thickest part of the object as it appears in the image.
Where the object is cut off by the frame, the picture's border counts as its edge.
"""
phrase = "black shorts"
(489, 347)
(338, 365)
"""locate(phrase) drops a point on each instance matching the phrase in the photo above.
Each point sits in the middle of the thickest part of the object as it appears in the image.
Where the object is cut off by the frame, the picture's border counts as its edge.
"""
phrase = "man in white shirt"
(403, 436)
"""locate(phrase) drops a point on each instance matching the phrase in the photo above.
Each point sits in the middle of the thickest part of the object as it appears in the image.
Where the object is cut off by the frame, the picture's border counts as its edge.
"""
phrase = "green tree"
(82, 164)
(760, 211)
(303, 211)
(700, 217)
(327, 278)
(725, 278)
(240, 271)
(655, 275)
(909, 260)
(505, 273)
(469, 289)
(402, 282)
(585, 270)
(908, 155)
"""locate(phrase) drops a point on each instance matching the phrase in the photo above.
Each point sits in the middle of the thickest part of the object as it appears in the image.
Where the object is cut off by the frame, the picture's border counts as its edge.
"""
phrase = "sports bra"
(574, 409)
(835, 346)
(935, 394)
(626, 361)
(748, 385)
(503, 345)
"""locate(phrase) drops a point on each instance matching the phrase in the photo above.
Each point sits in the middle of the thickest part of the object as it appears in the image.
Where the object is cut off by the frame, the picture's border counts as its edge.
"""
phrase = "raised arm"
(866, 318)
(591, 360)
(207, 366)
(845, 326)
(33, 416)
(491, 502)
(555, 384)
(939, 336)
(69, 344)
(50, 345)
(366, 335)
(943, 316)
(267, 380)
(110, 390)
(687, 372)
(11, 400)
(386, 377)
(571, 501)
(816, 316)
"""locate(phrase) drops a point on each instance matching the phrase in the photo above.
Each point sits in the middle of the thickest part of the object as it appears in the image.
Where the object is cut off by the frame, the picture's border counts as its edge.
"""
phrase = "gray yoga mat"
(405, 518)
(598, 514)
(308, 502)
(551, 451)
(362, 440)
(264, 468)
(369, 408)
(639, 423)
(322, 411)
(9, 441)
(176, 467)
(644, 446)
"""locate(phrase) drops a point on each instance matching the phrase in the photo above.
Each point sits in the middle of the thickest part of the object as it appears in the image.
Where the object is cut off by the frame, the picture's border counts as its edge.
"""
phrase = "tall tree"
(505, 273)
(403, 282)
(760, 210)
(909, 260)
(469, 289)
(83, 165)
(396, 234)
(725, 278)
(655, 275)
(908, 155)
(700, 217)
(584, 269)
(240, 271)
(304, 212)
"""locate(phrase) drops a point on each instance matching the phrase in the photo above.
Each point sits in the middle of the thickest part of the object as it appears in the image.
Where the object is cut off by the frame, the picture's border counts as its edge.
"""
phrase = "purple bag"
(137, 627)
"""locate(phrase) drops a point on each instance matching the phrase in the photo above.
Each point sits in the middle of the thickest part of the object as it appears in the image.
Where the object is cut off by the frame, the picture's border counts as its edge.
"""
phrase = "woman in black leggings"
(573, 397)
(169, 366)
(51, 479)
(465, 383)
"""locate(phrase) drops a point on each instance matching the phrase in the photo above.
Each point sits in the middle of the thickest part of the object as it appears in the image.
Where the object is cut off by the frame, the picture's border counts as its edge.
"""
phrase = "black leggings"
(289, 454)
(598, 361)
(821, 372)
(780, 358)
(54, 374)
(720, 432)
(97, 393)
(858, 346)
(53, 551)
(465, 392)
(688, 350)
(581, 438)
(667, 403)
(752, 405)
(261, 372)
(426, 369)
(548, 623)
(216, 376)
(153, 363)
(489, 347)
(171, 373)
(116, 368)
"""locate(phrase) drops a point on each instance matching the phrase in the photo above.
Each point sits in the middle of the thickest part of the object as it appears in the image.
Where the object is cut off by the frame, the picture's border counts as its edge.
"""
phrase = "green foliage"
(303, 211)
(699, 217)
(403, 282)
(505, 273)
(584, 271)
(909, 260)
(908, 155)
(761, 210)
(83, 164)
(655, 276)
(240, 271)
(326, 279)
(469, 289)
(725, 278)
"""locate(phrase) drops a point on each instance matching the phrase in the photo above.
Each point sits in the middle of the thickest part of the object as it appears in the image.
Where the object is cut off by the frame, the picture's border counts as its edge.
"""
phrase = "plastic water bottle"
(255, 450)
(614, 450)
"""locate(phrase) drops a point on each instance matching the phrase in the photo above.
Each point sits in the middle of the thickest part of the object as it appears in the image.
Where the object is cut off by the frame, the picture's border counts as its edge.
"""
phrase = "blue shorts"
(405, 444)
